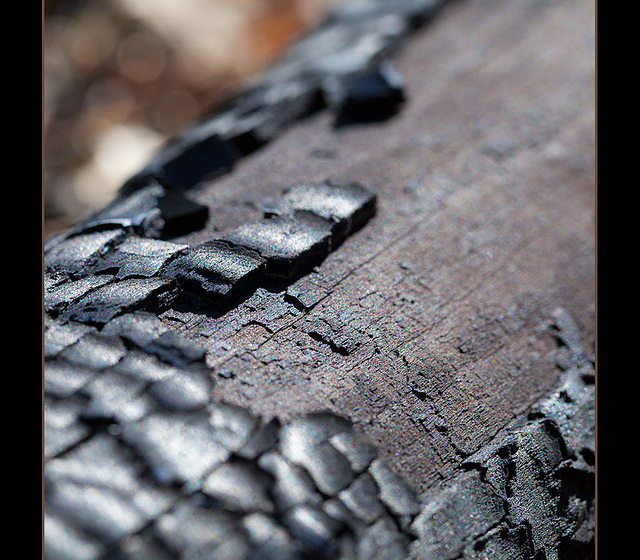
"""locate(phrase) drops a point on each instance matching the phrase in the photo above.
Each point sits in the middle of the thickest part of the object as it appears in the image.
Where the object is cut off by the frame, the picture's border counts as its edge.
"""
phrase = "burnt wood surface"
(349, 315)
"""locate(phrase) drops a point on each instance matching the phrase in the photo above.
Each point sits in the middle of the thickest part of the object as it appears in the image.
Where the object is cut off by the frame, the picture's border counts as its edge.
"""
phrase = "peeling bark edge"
(528, 494)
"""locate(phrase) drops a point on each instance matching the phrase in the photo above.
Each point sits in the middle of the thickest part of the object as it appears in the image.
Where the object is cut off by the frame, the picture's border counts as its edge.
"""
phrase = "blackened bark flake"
(153, 210)
(290, 244)
(139, 257)
(372, 95)
(185, 161)
(348, 205)
(217, 269)
(113, 299)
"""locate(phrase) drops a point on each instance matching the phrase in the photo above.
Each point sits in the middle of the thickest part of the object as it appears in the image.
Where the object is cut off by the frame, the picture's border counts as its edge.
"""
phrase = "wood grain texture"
(429, 328)
(345, 316)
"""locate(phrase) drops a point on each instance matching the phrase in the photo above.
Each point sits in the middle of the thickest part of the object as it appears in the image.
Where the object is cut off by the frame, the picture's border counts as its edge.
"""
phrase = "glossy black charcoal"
(60, 297)
(260, 114)
(138, 211)
(78, 253)
(57, 336)
(290, 244)
(175, 349)
(151, 210)
(348, 205)
(113, 299)
(185, 161)
(140, 328)
(139, 257)
(217, 269)
(181, 215)
(370, 96)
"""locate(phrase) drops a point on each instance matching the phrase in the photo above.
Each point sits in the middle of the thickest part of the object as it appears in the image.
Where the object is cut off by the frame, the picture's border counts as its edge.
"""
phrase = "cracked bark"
(428, 328)
(440, 328)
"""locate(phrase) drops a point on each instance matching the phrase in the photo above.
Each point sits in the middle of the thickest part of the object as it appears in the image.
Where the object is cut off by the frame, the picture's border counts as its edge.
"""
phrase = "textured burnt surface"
(291, 339)
(215, 268)
(140, 458)
(531, 490)
(287, 243)
(142, 462)
(348, 206)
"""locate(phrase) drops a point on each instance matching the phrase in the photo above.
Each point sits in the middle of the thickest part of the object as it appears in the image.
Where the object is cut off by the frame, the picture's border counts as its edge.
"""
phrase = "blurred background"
(122, 76)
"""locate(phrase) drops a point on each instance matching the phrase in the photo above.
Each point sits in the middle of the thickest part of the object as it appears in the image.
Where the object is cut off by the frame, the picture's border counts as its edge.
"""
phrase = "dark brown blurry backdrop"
(121, 76)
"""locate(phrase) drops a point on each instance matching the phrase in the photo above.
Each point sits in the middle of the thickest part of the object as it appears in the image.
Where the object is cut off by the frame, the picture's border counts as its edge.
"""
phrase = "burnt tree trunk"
(453, 326)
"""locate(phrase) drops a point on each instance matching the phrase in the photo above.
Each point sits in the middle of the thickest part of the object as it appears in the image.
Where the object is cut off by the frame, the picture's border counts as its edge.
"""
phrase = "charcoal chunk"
(114, 397)
(240, 485)
(503, 542)
(348, 205)
(141, 546)
(61, 426)
(77, 253)
(368, 96)
(58, 336)
(178, 447)
(139, 257)
(97, 510)
(217, 269)
(465, 507)
(190, 530)
(293, 486)
(399, 497)
(290, 244)
(138, 327)
(358, 451)
(314, 528)
(187, 390)
(98, 486)
(95, 351)
(261, 113)
(181, 215)
(140, 365)
(62, 379)
(185, 161)
(116, 298)
(304, 442)
(153, 210)
(383, 541)
(63, 541)
(65, 294)
(233, 425)
(270, 540)
(138, 211)
(361, 498)
(173, 348)
(262, 440)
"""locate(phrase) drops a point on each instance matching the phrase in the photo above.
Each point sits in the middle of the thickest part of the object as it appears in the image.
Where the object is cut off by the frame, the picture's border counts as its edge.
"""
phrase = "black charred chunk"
(290, 244)
(260, 114)
(181, 215)
(185, 161)
(137, 211)
(139, 257)
(115, 298)
(153, 210)
(347, 205)
(216, 269)
(369, 96)
(76, 254)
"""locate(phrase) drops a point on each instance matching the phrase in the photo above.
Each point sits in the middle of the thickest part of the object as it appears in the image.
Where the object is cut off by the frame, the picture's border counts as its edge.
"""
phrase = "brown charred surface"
(428, 327)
